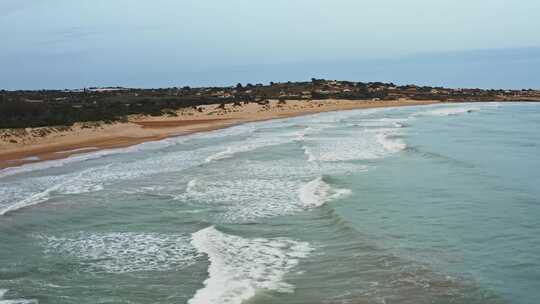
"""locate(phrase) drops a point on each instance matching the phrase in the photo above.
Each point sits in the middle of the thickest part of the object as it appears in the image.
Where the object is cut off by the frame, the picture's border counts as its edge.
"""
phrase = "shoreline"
(51, 143)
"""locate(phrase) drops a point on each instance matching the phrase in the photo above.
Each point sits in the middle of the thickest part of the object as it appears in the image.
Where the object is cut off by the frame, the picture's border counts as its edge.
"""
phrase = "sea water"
(426, 204)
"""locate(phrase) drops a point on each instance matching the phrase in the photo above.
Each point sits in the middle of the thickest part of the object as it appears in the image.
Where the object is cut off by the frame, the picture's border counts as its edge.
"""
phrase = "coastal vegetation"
(23, 109)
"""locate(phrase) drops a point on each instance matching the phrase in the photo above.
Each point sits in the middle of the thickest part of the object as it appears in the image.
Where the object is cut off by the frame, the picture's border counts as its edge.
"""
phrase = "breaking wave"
(390, 144)
(448, 111)
(240, 267)
(317, 192)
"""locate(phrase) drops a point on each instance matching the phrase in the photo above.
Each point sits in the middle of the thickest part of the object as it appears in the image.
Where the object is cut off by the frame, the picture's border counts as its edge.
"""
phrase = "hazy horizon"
(63, 44)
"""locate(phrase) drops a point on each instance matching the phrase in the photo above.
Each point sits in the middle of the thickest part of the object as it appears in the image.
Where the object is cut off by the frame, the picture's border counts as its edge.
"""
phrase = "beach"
(18, 147)
(390, 205)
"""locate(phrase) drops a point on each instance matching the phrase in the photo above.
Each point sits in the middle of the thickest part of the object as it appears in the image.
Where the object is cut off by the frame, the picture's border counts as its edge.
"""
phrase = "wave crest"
(449, 111)
(317, 192)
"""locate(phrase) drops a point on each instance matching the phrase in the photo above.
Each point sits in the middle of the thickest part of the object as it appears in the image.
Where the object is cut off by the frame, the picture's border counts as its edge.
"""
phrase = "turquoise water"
(431, 204)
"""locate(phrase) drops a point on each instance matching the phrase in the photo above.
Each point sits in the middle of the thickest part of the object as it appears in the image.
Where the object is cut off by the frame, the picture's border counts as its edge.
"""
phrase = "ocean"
(424, 204)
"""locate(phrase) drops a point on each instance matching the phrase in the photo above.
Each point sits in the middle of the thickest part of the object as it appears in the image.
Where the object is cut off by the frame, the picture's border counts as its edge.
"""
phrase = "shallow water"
(430, 204)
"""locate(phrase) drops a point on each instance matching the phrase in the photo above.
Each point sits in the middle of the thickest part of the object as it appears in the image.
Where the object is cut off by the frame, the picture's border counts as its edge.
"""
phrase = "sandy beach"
(21, 146)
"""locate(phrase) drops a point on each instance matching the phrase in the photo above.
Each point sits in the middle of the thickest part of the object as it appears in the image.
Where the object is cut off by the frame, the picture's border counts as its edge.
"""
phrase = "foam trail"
(124, 252)
(239, 267)
(317, 192)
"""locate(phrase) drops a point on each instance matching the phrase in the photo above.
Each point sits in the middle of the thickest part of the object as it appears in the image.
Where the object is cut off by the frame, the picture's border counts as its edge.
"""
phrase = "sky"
(163, 43)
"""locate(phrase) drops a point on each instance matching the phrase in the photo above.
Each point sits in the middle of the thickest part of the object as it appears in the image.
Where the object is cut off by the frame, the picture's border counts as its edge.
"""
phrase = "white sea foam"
(31, 200)
(251, 144)
(310, 156)
(31, 158)
(15, 301)
(156, 191)
(245, 199)
(240, 267)
(301, 136)
(390, 145)
(77, 150)
(147, 146)
(37, 190)
(256, 189)
(333, 118)
(191, 186)
(448, 111)
(30, 191)
(354, 145)
(311, 130)
(19, 190)
(229, 152)
(20, 301)
(61, 162)
(69, 184)
(494, 104)
(244, 129)
(316, 121)
(317, 192)
(124, 252)
(378, 122)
